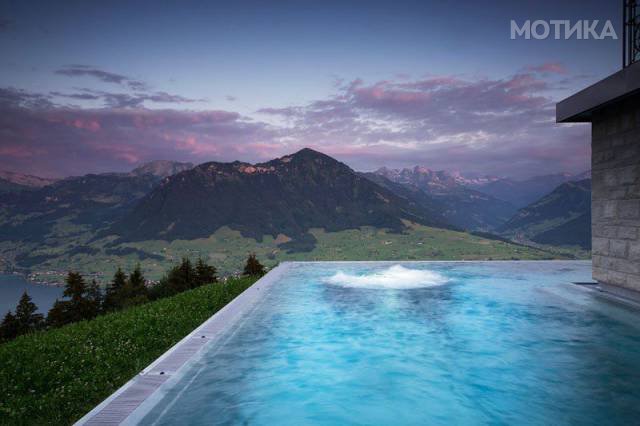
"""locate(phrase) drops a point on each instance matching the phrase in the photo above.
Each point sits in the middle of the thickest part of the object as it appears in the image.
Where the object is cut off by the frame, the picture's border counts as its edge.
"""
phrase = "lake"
(12, 287)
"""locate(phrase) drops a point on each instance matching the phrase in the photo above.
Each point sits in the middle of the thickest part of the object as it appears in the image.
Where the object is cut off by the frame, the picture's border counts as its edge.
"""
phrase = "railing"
(630, 33)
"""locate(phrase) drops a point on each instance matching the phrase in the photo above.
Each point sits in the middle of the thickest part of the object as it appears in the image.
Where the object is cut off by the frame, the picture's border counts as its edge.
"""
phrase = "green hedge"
(56, 376)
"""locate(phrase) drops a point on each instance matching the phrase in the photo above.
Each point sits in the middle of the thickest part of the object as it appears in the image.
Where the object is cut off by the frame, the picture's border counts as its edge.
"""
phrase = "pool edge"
(118, 406)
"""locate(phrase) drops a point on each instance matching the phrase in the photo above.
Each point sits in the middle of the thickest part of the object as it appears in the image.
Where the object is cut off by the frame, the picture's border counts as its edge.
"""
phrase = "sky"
(91, 87)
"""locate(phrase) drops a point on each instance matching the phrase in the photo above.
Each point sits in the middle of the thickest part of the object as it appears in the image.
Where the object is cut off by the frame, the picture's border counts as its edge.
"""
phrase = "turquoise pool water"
(421, 343)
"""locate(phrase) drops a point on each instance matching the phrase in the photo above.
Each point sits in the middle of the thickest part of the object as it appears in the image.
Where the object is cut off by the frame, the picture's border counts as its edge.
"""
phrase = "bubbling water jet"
(396, 277)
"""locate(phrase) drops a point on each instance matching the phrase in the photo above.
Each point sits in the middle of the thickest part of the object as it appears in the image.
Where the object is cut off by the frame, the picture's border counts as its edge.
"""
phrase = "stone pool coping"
(119, 407)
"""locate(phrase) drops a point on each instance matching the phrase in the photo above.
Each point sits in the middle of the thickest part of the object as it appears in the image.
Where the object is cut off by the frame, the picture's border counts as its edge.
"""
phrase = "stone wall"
(616, 195)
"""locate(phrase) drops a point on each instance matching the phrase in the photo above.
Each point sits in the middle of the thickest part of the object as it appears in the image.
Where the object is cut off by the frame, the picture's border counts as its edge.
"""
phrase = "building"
(612, 106)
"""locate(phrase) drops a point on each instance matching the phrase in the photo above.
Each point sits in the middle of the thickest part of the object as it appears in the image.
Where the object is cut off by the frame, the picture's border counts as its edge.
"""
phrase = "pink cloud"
(59, 141)
(549, 67)
(91, 125)
(382, 94)
(501, 126)
(16, 152)
(480, 125)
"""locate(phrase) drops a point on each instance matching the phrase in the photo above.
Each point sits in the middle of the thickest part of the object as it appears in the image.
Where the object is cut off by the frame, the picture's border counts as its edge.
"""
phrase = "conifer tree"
(8, 327)
(253, 267)
(137, 281)
(78, 307)
(75, 287)
(161, 289)
(205, 274)
(95, 297)
(187, 274)
(57, 316)
(181, 277)
(27, 318)
(134, 291)
(114, 290)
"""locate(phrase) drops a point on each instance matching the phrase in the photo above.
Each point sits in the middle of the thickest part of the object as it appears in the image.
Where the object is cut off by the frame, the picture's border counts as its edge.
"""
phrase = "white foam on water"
(396, 277)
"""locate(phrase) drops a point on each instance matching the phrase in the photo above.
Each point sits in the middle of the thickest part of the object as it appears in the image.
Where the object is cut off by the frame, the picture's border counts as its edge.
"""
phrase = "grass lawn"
(56, 376)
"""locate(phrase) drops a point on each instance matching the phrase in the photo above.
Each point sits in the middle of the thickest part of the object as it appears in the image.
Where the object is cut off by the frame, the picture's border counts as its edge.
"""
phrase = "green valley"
(227, 249)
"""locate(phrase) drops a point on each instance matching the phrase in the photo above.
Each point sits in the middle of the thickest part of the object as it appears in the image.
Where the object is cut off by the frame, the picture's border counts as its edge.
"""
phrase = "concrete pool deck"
(121, 406)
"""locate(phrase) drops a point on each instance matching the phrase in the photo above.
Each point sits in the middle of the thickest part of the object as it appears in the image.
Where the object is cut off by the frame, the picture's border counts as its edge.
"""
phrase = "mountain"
(576, 232)
(581, 176)
(562, 217)
(63, 219)
(91, 201)
(285, 197)
(14, 182)
(518, 193)
(521, 193)
(424, 178)
(461, 206)
(303, 206)
(412, 194)
(161, 168)
(434, 178)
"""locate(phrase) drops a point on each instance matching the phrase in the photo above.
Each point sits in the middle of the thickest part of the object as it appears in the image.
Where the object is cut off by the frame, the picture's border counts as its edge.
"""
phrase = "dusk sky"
(90, 86)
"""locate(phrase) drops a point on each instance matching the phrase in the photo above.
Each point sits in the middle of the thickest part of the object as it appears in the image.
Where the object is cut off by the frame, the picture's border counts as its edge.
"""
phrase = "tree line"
(84, 301)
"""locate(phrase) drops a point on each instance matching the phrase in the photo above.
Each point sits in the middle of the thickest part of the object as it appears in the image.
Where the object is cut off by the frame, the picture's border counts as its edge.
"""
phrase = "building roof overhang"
(580, 107)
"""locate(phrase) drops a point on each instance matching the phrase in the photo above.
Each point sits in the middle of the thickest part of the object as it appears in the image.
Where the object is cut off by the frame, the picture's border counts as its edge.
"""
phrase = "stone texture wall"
(616, 195)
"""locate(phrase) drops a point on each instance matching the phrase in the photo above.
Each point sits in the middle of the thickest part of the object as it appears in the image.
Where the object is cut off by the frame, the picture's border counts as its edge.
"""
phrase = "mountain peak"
(422, 170)
(289, 195)
(308, 151)
(304, 158)
(309, 154)
(28, 181)
(161, 168)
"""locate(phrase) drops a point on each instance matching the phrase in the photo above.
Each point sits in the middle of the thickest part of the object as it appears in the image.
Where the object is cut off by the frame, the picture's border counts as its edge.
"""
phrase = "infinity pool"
(415, 343)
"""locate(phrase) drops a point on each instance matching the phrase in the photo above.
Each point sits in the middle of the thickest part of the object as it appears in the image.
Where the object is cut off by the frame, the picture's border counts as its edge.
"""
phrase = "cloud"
(139, 92)
(548, 68)
(78, 70)
(58, 141)
(77, 96)
(500, 126)
(125, 100)
(137, 85)
(18, 98)
(85, 70)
